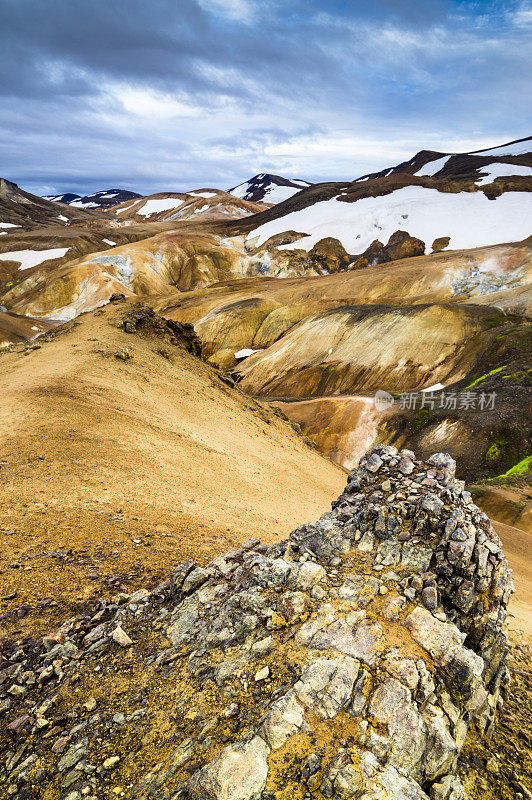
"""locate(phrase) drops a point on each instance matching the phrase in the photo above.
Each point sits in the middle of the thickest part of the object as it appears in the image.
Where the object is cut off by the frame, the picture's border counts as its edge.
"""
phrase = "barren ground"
(113, 472)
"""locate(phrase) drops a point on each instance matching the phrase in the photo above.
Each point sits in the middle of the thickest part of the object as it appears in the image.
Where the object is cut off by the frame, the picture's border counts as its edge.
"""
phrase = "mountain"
(186, 378)
(267, 188)
(102, 199)
(67, 198)
(302, 301)
(450, 320)
(440, 200)
(197, 204)
(21, 210)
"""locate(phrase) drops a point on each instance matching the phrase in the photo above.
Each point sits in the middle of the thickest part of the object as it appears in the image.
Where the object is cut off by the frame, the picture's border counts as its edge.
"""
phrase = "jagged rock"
(400, 245)
(296, 640)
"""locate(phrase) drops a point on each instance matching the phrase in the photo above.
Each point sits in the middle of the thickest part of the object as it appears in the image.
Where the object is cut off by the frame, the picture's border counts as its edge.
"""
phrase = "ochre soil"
(114, 472)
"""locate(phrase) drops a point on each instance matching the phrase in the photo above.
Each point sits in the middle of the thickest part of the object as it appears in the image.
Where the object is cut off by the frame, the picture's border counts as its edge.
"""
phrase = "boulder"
(329, 255)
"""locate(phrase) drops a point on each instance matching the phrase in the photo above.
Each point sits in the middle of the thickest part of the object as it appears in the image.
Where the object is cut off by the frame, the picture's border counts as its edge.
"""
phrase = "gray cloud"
(167, 95)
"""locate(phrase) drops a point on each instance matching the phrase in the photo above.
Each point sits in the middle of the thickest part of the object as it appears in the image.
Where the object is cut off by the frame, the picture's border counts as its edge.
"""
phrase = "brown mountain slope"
(257, 312)
(204, 204)
(103, 456)
(22, 209)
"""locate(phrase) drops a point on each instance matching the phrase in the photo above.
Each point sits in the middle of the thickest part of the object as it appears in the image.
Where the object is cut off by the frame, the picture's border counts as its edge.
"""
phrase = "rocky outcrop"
(330, 255)
(387, 620)
(348, 661)
(400, 245)
(395, 607)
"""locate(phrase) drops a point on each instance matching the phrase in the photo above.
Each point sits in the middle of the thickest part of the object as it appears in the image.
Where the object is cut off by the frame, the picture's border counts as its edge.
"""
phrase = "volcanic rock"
(299, 652)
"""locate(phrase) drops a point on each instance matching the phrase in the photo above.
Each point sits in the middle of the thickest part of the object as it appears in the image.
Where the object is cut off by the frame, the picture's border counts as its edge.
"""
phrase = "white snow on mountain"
(31, 258)
(241, 190)
(268, 188)
(8, 225)
(272, 193)
(469, 219)
(155, 206)
(516, 149)
(433, 166)
(498, 170)
(276, 194)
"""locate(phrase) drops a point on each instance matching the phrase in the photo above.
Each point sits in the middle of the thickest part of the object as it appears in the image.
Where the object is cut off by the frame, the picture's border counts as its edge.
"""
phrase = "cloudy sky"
(178, 94)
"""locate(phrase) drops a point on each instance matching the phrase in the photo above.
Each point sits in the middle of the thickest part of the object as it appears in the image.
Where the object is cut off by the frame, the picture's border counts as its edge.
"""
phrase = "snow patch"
(108, 241)
(155, 206)
(499, 170)
(469, 219)
(62, 218)
(433, 167)
(9, 225)
(31, 258)
(517, 149)
(276, 194)
(247, 351)
(435, 388)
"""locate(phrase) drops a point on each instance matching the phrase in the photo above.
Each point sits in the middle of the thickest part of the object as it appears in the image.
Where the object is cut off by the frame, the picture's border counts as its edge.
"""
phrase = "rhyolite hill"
(437, 247)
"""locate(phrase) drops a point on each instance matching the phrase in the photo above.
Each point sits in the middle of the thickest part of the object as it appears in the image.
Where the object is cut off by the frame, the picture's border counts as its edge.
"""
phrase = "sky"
(155, 95)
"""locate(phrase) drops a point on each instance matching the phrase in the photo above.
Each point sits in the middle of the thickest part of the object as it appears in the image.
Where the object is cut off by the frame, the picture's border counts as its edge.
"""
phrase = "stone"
(284, 718)
(406, 466)
(111, 762)
(373, 463)
(366, 543)
(238, 773)
(389, 700)
(440, 243)
(262, 674)
(194, 579)
(262, 647)
(304, 576)
(120, 637)
(359, 590)
(359, 643)
(432, 504)
(462, 667)
(404, 669)
(416, 556)
(326, 685)
(392, 607)
(449, 788)
(294, 606)
(430, 597)
(183, 620)
(73, 755)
